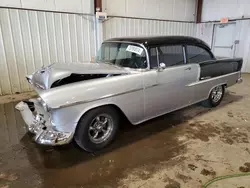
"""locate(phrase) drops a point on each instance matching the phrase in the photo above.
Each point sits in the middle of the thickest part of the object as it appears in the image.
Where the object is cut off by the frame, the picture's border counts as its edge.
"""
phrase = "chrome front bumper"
(40, 126)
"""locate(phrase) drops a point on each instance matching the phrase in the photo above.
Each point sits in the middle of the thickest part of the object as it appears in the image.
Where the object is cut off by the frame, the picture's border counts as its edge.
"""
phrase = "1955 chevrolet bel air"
(139, 78)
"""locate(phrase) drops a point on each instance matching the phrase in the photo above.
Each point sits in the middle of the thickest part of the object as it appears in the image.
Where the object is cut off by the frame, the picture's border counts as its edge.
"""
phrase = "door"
(167, 90)
(224, 39)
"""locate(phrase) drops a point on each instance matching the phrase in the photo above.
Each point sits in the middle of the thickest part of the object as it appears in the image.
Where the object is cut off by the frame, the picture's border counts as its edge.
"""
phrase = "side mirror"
(162, 66)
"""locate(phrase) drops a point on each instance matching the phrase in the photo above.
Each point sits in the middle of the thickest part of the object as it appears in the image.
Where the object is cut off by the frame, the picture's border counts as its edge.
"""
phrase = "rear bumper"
(40, 126)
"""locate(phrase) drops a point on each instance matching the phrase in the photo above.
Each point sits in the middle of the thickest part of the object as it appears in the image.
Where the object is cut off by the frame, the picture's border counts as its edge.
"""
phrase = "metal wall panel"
(204, 31)
(75, 6)
(31, 39)
(118, 27)
(183, 10)
(214, 10)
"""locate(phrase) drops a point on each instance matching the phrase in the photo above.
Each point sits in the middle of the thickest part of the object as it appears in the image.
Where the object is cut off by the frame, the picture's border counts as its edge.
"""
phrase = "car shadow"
(70, 155)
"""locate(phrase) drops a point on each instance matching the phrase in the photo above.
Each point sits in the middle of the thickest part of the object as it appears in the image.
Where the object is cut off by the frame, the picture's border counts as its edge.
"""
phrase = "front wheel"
(215, 97)
(97, 128)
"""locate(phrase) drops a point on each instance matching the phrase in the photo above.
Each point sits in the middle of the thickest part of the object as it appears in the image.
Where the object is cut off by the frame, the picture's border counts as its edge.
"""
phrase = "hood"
(69, 73)
(88, 68)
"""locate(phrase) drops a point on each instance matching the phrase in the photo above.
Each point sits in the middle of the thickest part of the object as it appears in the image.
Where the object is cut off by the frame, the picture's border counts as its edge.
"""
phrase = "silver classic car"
(139, 78)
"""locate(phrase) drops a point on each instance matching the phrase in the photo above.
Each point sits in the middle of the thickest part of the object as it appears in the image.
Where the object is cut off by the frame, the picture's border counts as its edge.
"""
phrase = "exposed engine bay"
(78, 78)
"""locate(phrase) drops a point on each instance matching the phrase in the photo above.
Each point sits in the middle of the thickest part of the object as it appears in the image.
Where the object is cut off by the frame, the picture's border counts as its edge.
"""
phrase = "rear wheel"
(215, 97)
(97, 128)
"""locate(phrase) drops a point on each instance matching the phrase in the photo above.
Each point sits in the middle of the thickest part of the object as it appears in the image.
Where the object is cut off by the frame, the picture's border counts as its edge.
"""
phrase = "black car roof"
(160, 40)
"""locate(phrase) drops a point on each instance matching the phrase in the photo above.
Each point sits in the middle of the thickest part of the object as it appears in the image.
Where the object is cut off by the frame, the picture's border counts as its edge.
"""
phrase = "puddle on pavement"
(67, 166)
(12, 127)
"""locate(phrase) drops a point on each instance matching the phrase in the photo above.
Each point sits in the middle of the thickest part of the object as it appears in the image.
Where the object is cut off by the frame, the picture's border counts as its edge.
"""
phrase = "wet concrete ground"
(182, 149)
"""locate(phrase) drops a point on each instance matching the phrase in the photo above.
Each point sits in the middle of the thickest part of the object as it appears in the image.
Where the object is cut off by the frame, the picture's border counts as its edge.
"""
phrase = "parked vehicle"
(140, 78)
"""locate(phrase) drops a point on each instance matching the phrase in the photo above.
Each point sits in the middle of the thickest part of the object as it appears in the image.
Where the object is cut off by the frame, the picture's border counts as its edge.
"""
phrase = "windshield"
(122, 54)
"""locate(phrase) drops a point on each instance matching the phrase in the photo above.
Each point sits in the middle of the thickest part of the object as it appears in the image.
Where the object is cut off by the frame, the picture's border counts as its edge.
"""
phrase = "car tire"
(90, 125)
(215, 97)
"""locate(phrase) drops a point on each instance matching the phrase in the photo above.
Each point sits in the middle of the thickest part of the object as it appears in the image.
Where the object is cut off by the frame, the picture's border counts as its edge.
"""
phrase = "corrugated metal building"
(37, 33)
(205, 31)
(237, 11)
(30, 39)
(117, 27)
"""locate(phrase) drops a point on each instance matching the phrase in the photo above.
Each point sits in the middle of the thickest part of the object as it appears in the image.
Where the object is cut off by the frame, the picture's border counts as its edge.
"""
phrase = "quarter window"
(197, 54)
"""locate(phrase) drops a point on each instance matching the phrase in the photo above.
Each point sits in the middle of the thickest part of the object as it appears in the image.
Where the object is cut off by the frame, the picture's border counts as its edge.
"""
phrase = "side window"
(153, 58)
(197, 54)
(171, 55)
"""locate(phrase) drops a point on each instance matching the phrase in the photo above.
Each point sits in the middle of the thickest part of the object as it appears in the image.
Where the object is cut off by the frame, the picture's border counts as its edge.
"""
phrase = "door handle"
(189, 68)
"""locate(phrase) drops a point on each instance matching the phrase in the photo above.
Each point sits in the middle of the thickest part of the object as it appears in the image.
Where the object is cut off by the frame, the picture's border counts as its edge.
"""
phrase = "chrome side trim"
(207, 80)
(100, 98)
(154, 85)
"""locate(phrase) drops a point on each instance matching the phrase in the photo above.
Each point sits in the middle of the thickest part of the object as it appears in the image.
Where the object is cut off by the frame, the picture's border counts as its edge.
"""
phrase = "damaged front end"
(56, 75)
(51, 83)
(37, 119)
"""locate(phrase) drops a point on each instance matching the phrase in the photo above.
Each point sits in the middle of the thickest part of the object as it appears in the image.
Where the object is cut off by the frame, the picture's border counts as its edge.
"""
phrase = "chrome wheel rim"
(217, 94)
(100, 128)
